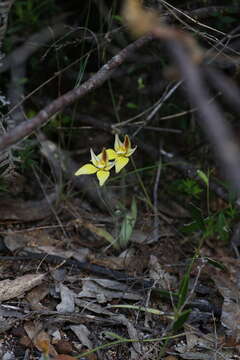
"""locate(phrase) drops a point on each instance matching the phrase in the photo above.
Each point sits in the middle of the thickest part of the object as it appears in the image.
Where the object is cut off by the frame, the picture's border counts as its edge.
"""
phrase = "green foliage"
(29, 13)
(28, 156)
(183, 290)
(3, 186)
(215, 263)
(180, 320)
(131, 105)
(217, 224)
(206, 222)
(141, 84)
(59, 121)
(229, 18)
(128, 224)
(189, 187)
(203, 177)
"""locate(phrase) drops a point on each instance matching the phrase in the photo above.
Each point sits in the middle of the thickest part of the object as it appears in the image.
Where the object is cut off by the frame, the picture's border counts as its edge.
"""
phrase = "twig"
(26, 128)
(156, 230)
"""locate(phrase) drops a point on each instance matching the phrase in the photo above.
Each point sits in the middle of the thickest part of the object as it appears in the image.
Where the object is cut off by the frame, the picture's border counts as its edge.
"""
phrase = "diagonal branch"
(27, 127)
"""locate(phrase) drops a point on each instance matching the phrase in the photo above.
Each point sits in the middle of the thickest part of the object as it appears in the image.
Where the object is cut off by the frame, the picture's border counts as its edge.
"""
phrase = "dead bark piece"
(10, 289)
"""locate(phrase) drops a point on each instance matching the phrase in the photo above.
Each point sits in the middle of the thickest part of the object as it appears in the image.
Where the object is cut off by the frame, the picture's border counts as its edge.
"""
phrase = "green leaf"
(197, 216)
(131, 105)
(128, 225)
(203, 177)
(140, 83)
(183, 290)
(101, 233)
(216, 264)
(118, 18)
(180, 321)
(164, 294)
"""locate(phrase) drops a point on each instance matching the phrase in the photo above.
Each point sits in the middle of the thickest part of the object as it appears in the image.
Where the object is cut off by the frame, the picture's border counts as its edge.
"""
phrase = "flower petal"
(102, 176)
(117, 143)
(127, 143)
(120, 162)
(111, 154)
(131, 151)
(86, 170)
(104, 156)
(94, 158)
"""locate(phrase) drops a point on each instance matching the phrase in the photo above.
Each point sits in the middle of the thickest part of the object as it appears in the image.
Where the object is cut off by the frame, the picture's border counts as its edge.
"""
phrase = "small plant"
(190, 187)
(217, 224)
(127, 226)
(206, 222)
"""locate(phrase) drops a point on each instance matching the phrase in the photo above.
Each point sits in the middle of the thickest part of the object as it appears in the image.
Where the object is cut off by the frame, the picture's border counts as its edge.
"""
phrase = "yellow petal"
(120, 162)
(111, 154)
(102, 176)
(94, 158)
(117, 143)
(86, 170)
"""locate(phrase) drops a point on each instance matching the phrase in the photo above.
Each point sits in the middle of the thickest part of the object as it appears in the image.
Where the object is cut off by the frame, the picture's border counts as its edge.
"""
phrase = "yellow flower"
(100, 166)
(121, 153)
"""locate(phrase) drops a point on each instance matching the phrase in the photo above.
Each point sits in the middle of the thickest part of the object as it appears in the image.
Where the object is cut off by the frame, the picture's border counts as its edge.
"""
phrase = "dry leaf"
(83, 334)
(10, 289)
(39, 338)
(67, 303)
(36, 295)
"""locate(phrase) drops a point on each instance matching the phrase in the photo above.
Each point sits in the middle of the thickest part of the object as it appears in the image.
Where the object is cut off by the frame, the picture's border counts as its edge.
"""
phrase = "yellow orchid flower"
(121, 153)
(100, 166)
